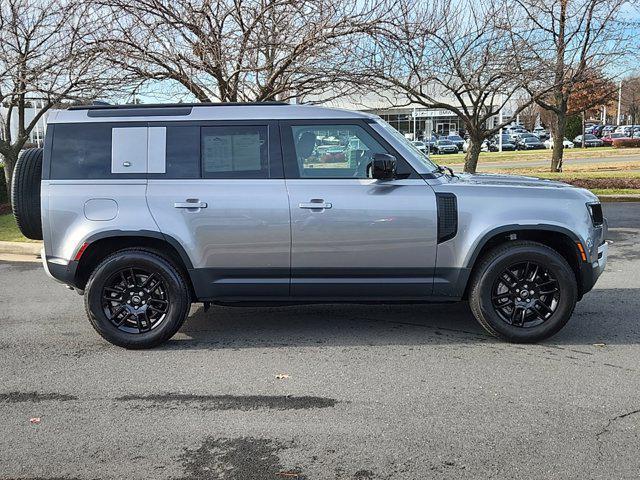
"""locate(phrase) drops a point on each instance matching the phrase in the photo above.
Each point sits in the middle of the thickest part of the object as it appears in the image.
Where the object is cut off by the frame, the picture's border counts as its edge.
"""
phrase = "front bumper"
(590, 272)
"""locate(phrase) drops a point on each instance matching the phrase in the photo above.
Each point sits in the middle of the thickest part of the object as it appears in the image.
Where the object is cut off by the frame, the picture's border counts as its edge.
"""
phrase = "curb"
(21, 248)
(619, 198)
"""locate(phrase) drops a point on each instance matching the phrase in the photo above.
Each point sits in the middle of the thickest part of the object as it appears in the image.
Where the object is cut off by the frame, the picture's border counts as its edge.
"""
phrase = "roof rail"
(169, 105)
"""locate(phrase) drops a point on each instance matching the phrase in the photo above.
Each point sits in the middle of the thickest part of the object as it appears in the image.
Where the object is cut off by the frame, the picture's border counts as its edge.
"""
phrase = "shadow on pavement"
(604, 316)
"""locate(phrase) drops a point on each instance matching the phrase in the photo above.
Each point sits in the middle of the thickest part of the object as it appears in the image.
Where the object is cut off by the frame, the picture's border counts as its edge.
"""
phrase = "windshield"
(454, 137)
(445, 142)
(589, 137)
(418, 155)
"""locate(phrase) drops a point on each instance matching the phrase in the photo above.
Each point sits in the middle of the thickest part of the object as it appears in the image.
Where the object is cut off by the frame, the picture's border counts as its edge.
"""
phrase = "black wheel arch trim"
(508, 228)
(586, 276)
(141, 233)
(67, 273)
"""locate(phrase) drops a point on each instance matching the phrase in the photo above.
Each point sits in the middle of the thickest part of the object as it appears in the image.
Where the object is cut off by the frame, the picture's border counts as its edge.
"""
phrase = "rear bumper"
(59, 270)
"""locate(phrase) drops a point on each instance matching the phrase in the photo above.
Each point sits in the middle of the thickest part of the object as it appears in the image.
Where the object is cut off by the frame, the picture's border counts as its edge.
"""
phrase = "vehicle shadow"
(605, 316)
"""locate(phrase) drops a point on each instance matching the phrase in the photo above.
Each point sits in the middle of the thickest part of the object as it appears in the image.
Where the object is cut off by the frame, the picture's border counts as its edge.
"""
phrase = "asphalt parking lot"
(373, 392)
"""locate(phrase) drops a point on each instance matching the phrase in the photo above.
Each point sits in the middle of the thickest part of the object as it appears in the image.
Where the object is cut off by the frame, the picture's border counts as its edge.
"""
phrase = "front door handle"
(190, 204)
(315, 204)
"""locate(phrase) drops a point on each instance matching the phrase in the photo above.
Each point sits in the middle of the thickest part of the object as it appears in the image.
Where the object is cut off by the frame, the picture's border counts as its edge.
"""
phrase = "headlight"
(595, 211)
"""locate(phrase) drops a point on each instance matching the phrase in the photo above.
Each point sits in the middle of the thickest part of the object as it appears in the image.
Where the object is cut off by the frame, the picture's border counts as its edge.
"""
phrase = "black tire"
(25, 193)
(172, 291)
(529, 321)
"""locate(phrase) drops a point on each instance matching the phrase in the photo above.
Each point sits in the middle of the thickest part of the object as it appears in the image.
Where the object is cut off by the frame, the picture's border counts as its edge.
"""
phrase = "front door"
(354, 237)
(223, 198)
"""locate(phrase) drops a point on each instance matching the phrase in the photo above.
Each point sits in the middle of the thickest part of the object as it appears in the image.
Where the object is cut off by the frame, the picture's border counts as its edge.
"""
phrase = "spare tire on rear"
(25, 193)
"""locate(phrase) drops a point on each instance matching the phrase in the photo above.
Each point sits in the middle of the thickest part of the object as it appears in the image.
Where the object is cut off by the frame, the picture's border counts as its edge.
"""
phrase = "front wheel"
(136, 299)
(523, 292)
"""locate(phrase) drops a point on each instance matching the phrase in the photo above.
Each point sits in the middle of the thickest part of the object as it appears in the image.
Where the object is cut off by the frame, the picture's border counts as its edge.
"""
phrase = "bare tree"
(570, 40)
(43, 59)
(450, 55)
(237, 50)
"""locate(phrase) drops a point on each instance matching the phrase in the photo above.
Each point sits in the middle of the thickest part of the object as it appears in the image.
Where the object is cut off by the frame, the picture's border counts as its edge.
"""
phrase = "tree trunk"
(473, 152)
(560, 126)
(10, 158)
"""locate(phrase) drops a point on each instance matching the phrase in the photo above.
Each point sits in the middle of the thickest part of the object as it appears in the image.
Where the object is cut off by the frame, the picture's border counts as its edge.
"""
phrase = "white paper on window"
(218, 153)
(226, 153)
(246, 152)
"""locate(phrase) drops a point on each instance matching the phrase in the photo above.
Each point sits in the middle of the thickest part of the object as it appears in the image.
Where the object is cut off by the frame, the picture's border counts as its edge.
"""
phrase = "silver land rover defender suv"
(147, 209)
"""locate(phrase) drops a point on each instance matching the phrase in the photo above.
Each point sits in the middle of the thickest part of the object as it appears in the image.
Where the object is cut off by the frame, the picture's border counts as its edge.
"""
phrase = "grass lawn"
(616, 191)
(569, 153)
(9, 230)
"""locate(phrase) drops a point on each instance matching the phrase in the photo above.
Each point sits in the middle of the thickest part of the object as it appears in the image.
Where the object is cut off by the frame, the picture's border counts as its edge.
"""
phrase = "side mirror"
(383, 167)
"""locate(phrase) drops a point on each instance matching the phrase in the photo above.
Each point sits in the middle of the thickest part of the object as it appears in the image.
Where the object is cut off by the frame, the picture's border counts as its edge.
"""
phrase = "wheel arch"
(97, 247)
(560, 239)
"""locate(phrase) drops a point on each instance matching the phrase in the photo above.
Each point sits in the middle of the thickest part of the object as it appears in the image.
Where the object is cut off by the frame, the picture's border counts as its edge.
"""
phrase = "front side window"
(235, 152)
(333, 151)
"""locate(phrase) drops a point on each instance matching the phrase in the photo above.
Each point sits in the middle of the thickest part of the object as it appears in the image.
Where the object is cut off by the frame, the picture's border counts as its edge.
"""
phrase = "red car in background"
(608, 139)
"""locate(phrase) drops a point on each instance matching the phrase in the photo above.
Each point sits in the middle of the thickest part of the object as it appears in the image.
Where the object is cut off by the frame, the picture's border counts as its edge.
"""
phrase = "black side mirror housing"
(383, 167)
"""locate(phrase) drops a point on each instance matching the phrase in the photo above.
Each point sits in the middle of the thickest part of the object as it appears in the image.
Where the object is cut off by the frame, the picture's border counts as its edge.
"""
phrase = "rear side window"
(235, 152)
(183, 153)
(81, 151)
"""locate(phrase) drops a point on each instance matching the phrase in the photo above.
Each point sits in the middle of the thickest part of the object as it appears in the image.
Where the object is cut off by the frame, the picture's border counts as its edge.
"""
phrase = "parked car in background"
(590, 140)
(507, 144)
(420, 145)
(628, 130)
(445, 146)
(483, 148)
(610, 137)
(457, 140)
(607, 129)
(566, 143)
(528, 142)
(430, 142)
(541, 133)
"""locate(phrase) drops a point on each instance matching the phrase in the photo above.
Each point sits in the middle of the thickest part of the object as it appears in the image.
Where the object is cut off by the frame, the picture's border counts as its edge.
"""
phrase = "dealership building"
(412, 120)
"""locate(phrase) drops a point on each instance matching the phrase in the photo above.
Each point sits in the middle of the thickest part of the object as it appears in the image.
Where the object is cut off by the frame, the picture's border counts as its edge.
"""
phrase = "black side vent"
(447, 216)
(596, 214)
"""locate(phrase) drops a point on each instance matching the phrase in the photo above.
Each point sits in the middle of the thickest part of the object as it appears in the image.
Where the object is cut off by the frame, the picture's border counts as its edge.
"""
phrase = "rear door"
(223, 198)
(353, 237)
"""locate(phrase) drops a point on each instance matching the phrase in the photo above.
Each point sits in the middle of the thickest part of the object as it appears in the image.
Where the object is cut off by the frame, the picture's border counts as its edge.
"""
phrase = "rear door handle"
(190, 204)
(315, 205)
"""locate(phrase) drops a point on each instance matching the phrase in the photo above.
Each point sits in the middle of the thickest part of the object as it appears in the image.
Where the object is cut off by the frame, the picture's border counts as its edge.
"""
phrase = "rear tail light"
(81, 251)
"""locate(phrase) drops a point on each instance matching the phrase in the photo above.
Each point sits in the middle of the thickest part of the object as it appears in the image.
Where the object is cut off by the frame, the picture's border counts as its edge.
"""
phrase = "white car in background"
(483, 148)
(566, 142)
(419, 145)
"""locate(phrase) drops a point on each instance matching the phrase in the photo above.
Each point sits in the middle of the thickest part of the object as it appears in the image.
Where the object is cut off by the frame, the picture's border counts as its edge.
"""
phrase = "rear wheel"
(136, 299)
(523, 292)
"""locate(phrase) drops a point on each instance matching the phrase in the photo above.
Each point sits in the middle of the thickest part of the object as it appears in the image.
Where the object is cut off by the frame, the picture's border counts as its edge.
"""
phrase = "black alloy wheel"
(135, 300)
(523, 291)
(525, 294)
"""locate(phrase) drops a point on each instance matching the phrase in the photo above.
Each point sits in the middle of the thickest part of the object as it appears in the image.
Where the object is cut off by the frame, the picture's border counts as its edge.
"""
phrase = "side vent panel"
(447, 216)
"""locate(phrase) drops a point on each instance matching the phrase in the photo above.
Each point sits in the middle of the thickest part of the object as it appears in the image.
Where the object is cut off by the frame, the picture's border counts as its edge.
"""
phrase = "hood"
(507, 180)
